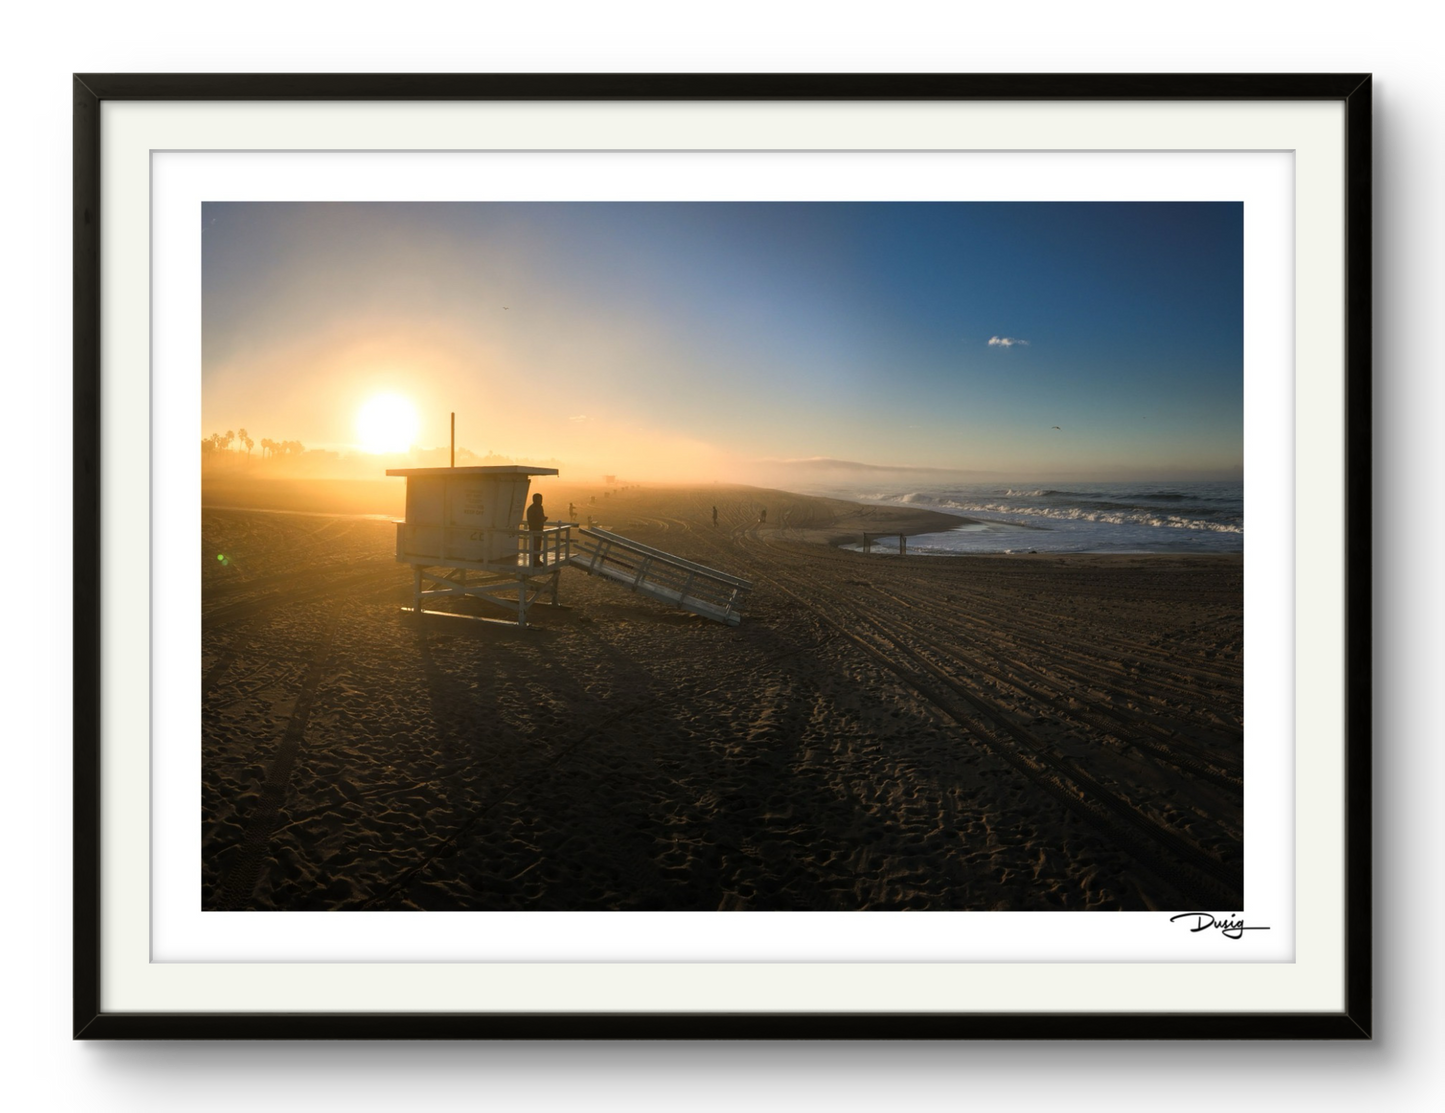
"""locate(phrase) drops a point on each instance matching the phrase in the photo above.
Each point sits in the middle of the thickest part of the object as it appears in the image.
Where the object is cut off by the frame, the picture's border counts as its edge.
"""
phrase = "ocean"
(1075, 517)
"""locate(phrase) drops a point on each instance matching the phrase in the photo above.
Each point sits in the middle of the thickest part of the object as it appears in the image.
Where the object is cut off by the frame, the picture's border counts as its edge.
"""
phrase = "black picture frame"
(91, 91)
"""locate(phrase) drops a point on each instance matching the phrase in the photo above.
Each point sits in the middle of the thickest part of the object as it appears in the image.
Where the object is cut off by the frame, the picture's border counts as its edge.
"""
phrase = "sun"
(386, 423)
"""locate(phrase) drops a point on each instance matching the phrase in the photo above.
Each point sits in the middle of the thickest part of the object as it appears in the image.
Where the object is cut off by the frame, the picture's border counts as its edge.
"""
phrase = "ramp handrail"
(648, 550)
(660, 575)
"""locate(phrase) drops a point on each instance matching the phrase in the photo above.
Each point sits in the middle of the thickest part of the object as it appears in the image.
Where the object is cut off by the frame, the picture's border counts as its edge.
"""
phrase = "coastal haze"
(979, 467)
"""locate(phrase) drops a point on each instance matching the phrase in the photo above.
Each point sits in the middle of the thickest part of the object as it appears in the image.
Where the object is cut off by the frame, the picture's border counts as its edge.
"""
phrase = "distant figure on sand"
(571, 511)
(536, 523)
(714, 515)
(762, 515)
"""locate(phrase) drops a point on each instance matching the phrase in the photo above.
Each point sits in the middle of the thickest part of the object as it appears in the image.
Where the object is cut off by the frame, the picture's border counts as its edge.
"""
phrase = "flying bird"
(1056, 427)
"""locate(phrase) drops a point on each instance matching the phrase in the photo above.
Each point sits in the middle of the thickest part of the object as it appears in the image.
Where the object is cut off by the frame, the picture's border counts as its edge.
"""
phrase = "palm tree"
(247, 441)
(229, 437)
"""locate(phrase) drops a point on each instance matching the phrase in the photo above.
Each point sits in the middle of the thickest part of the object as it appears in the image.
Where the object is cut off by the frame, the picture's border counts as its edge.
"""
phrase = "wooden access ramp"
(658, 575)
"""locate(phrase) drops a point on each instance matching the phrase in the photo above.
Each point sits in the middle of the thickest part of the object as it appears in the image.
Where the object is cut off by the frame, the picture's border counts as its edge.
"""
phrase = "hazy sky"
(682, 340)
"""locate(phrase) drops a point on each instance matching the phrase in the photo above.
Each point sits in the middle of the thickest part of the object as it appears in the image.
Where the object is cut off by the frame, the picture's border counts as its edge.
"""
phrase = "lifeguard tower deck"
(462, 538)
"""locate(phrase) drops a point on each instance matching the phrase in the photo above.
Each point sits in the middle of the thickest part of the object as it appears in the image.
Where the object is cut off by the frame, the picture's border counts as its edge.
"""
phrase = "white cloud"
(578, 417)
(1005, 341)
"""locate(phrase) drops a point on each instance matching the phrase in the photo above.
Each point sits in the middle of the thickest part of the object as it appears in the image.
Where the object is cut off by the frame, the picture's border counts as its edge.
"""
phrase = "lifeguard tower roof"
(503, 469)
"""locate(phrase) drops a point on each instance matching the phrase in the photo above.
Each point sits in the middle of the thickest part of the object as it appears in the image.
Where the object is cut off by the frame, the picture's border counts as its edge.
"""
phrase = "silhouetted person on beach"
(714, 515)
(536, 523)
(762, 515)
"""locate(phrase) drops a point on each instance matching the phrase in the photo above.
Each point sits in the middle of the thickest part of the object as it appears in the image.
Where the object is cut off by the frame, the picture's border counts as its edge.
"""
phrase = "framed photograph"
(722, 556)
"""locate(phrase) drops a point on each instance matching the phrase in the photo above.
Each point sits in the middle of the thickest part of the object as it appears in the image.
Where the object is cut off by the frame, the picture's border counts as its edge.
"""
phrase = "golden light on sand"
(386, 423)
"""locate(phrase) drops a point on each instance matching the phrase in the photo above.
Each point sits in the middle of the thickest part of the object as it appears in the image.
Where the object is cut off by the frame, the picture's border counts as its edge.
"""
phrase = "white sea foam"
(1081, 517)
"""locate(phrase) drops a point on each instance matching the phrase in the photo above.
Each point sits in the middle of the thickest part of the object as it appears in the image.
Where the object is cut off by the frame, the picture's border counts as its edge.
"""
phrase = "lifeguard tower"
(463, 538)
(467, 521)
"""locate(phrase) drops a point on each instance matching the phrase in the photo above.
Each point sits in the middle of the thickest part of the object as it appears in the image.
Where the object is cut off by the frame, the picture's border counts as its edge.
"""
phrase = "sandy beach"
(1051, 732)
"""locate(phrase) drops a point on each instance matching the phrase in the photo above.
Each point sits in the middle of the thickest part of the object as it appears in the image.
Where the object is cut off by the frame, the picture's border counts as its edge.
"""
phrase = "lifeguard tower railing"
(517, 550)
(658, 575)
(524, 564)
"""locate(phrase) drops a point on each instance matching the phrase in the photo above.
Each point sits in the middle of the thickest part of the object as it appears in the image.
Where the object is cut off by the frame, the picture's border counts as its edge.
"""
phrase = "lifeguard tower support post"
(467, 521)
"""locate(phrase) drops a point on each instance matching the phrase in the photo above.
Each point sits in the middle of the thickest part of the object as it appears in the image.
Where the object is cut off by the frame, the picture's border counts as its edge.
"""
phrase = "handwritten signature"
(1229, 927)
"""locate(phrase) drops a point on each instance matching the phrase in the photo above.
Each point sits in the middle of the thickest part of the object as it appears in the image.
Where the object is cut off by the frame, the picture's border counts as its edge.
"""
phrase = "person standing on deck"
(536, 523)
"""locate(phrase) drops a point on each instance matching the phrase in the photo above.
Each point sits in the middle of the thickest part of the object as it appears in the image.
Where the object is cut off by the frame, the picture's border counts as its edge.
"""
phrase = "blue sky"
(694, 340)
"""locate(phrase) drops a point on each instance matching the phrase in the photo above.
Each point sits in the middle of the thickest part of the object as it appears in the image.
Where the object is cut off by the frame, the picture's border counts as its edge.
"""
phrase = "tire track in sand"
(1153, 847)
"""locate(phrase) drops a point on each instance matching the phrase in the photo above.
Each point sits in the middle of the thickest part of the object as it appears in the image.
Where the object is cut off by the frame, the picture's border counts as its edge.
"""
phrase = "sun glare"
(386, 423)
